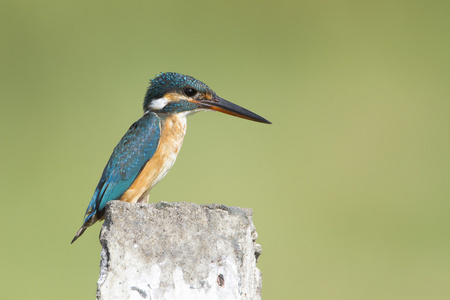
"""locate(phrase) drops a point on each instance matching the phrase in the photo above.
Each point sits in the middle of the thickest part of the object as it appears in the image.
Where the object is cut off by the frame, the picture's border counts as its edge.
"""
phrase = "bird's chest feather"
(173, 130)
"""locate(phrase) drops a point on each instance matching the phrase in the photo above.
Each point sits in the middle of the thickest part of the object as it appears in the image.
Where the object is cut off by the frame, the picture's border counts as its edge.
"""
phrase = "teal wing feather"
(129, 157)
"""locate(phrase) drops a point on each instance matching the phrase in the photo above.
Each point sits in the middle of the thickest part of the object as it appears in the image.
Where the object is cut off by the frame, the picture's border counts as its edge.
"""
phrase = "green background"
(349, 186)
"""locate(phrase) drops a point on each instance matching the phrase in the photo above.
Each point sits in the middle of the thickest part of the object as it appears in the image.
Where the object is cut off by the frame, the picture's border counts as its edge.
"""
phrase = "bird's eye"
(190, 92)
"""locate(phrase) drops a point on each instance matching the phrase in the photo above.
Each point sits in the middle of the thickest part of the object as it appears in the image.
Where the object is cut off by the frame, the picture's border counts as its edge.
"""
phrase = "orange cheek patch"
(172, 97)
(207, 96)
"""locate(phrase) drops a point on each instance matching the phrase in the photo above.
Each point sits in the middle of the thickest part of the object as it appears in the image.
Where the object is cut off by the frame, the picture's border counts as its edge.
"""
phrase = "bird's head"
(173, 93)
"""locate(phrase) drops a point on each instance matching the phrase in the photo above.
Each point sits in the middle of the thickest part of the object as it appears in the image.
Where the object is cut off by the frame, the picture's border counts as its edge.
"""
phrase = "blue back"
(129, 157)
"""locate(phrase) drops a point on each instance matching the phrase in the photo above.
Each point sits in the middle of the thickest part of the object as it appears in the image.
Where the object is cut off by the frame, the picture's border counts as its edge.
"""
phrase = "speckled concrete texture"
(178, 251)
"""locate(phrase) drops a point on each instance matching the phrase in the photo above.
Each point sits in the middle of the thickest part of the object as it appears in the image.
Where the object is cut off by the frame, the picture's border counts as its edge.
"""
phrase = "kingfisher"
(150, 147)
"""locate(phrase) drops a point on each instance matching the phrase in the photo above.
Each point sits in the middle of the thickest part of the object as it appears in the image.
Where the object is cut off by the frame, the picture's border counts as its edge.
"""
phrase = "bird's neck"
(173, 127)
(173, 130)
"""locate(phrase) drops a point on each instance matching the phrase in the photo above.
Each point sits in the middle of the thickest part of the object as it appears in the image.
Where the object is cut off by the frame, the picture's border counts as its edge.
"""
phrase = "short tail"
(79, 233)
(88, 221)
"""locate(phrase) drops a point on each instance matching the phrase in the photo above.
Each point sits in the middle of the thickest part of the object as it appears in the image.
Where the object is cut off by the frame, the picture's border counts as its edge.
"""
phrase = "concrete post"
(178, 251)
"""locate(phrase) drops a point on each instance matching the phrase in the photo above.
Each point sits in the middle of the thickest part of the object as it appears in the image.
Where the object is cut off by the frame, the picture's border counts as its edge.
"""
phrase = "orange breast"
(173, 129)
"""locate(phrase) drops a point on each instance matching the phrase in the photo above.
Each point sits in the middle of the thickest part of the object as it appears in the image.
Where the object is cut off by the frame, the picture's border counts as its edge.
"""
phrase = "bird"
(150, 147)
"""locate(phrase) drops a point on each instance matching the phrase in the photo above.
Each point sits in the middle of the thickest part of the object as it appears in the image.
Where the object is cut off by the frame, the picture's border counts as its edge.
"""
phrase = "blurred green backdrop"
(349, 186)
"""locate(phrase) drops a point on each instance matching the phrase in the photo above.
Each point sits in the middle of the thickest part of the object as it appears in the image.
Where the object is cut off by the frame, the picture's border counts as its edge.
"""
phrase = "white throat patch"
(190, 112)
(158, 104)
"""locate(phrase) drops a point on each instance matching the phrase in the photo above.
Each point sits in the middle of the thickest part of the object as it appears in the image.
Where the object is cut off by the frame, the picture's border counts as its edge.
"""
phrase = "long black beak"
(224, 106)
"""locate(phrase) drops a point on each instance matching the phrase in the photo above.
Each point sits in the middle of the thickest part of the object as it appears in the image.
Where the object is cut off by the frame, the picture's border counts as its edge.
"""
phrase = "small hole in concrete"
(220, 280)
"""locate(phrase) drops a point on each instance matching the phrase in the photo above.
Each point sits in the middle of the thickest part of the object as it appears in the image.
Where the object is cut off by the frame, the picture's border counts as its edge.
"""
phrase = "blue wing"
(134, 150)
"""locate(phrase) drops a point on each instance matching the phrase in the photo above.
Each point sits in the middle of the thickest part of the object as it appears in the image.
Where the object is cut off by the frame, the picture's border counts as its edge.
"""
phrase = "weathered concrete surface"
(178, 251)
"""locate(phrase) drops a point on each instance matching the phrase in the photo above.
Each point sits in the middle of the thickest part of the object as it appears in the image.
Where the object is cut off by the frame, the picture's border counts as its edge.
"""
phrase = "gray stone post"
(178, 251)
